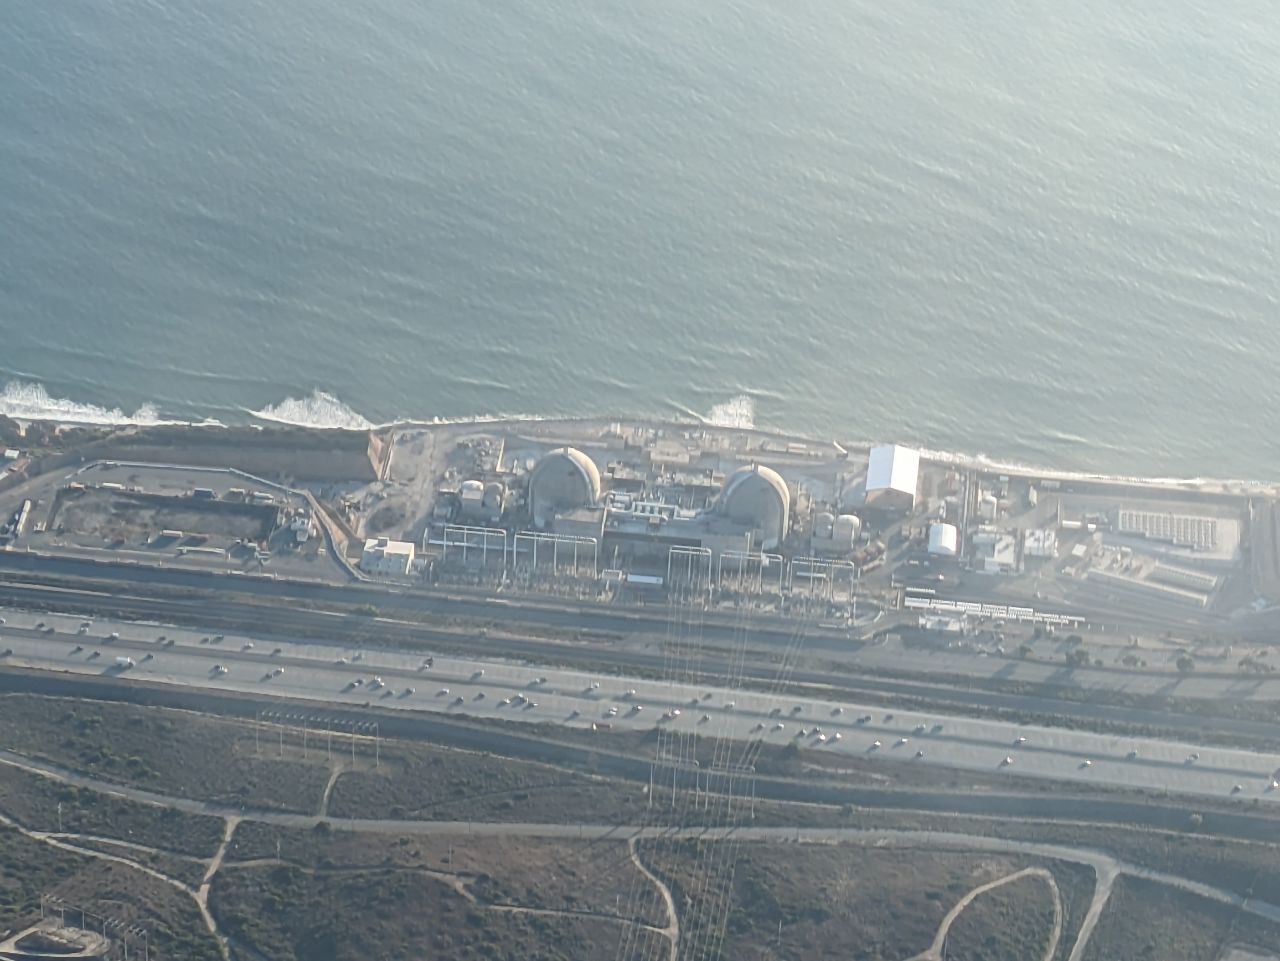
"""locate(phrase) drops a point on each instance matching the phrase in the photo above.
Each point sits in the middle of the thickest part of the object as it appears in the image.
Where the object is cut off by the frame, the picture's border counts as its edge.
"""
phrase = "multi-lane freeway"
(505, 689)
(640, 652)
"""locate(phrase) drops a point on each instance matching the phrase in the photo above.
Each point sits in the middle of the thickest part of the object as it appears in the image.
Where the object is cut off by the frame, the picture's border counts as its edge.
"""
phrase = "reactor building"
(563, 481)
(757, 498)
(751, 512)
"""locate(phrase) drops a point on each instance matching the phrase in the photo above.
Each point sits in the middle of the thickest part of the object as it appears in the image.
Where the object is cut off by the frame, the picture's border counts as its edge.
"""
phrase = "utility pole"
(59, 817)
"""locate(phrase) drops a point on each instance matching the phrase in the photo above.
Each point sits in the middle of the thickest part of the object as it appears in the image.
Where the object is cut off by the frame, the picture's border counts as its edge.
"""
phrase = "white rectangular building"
(893, 476)
(1041, 543)
(384, 556)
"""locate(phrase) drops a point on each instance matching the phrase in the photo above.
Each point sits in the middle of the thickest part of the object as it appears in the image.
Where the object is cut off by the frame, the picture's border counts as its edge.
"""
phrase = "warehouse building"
(893, 477)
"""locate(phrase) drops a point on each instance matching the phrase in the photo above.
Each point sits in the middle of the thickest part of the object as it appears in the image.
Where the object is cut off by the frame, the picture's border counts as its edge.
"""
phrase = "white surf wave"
(27, 401)
(739, 412)
(320, 410)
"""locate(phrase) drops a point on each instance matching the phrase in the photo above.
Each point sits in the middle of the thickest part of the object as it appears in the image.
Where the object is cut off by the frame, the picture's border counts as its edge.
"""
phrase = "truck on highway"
(124, 663)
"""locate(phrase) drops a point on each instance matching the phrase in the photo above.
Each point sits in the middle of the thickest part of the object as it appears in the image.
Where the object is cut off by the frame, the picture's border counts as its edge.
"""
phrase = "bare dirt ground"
(91, 517)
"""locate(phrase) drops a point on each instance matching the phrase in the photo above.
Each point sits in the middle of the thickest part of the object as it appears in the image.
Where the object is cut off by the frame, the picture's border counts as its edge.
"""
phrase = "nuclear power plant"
(632, 498)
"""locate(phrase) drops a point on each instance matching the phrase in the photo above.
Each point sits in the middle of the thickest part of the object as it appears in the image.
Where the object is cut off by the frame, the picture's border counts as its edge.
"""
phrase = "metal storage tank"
(824, 525)
(944, 540)
(847, 530)
(987, 507)
(494, 494)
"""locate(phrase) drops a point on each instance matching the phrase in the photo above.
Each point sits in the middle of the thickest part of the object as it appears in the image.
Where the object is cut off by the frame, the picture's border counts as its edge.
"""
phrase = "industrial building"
(1041, 543)
(386, 557)
(944, 540)
(750, 511)
(563, 480)
(835, 535)
(893, 477)
(756, 497)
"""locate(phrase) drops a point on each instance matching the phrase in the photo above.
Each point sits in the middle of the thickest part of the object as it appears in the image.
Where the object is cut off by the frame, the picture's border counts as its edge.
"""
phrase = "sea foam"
(27, 401)
(737, 412)
(320, 410)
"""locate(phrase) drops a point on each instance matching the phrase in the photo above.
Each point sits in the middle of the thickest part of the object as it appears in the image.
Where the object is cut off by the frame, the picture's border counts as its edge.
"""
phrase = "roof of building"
(892, 467)
(943, 538)
(384, 545)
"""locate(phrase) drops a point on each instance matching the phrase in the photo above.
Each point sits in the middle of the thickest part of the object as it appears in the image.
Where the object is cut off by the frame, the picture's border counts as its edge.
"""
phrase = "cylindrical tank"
(944, 540)
(472, 487)
(823, 525)
(987, 505)
(493, 496)
(847, 529)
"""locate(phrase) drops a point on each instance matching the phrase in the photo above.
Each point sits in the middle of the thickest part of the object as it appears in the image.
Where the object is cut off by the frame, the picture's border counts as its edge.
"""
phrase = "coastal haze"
(1043, 233)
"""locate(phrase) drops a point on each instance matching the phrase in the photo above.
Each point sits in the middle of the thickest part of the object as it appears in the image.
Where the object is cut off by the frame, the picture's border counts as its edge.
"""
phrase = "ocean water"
(1041, 231)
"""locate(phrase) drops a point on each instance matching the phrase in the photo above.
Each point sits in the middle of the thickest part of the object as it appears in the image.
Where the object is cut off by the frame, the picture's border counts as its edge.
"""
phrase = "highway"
(287, 620)
(615, 629)
(505, 690)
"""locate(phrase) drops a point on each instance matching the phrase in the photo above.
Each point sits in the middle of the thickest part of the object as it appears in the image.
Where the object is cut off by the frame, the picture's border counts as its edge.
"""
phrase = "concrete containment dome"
(563, 479)
(757, 496)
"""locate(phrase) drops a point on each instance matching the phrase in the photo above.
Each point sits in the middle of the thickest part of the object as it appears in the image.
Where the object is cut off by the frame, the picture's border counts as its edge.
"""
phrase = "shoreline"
(959, 459)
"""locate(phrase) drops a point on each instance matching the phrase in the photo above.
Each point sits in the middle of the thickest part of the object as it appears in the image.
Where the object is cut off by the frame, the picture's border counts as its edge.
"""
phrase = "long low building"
(384, 556)
(1153, 589)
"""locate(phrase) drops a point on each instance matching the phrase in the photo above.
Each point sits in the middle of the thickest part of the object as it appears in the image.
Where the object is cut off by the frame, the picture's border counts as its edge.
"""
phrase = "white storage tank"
(988, 506)
(847, 530)
(944, 540)
(823, 525)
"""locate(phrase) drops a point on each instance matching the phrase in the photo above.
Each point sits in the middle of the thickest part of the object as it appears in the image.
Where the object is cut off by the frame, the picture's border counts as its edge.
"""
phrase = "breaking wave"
(320, 410)
(737, 412)
(23, 400)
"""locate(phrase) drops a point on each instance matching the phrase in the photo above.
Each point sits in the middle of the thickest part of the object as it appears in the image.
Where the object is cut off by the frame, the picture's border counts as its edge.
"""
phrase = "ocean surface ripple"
(1048, 233)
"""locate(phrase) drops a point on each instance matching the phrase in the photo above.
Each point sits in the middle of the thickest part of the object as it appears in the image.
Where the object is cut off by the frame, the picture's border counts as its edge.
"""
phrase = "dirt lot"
(29, 869)
(121, 517)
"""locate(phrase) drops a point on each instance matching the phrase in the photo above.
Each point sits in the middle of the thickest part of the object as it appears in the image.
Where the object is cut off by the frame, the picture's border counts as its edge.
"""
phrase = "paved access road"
(477, 687)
